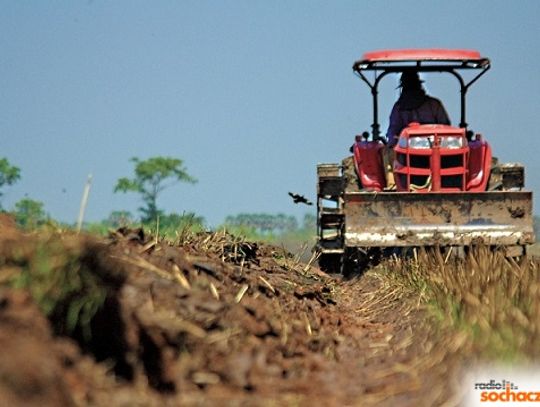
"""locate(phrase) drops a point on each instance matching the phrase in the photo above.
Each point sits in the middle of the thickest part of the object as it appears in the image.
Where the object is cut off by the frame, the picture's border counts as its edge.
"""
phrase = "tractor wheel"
(357, 261)
(330, 263)
(352, 260)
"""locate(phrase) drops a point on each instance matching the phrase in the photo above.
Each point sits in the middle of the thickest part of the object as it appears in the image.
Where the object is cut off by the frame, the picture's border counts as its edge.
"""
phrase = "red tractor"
(448, 189)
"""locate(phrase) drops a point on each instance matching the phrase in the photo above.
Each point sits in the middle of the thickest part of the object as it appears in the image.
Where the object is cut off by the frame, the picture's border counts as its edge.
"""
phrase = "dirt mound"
(7, 221)
(211, 318)
(8, 226)
(30, 368)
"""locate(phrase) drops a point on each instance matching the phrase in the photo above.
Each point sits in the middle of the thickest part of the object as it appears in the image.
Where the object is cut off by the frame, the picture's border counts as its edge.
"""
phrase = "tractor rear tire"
(330, 263)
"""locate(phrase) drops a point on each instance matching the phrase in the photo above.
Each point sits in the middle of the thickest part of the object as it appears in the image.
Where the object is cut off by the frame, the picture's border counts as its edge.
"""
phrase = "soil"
(212, 321)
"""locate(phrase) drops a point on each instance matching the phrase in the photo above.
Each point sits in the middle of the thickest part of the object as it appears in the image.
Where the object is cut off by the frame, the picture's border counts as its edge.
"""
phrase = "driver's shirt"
(431, 111)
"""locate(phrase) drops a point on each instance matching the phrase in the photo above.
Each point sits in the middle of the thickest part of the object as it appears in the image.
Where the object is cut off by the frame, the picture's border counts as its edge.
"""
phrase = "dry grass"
(457, 313)
(229, 248)
(491, 300)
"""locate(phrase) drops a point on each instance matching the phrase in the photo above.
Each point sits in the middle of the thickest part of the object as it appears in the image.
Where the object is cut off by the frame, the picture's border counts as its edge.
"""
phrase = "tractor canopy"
(425, 59)
(452, 61)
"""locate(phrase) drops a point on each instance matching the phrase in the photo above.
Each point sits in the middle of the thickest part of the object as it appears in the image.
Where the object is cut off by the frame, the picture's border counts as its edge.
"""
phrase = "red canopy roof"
(424, 59)
(421, 55)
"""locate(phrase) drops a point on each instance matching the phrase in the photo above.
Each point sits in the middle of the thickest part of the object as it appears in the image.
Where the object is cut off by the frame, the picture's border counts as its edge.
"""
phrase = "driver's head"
(410, 80)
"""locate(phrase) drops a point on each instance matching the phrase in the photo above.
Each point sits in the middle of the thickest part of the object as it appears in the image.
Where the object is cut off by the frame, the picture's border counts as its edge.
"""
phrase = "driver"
(413, 105)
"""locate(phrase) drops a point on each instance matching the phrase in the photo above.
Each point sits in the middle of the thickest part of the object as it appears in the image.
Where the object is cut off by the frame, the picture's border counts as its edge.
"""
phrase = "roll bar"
(386, 64)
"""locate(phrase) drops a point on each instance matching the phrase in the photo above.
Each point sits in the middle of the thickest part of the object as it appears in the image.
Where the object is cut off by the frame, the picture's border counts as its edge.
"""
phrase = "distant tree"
(118, 219)
(152, 176)
(537, 227)
(263, 223)
(309, 222)
(29, 213)
(175, 221)
(285, 223)
(9, 174)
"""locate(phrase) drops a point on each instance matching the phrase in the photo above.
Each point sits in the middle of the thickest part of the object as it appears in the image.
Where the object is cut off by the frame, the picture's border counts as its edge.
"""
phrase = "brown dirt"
(210, 322)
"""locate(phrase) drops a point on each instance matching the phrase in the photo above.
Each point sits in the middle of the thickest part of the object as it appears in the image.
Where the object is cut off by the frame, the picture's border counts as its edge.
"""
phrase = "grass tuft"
(495, 301)
(59, 273)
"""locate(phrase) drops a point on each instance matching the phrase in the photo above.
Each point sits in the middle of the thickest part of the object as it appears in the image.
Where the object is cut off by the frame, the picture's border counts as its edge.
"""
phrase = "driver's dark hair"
(410, 80)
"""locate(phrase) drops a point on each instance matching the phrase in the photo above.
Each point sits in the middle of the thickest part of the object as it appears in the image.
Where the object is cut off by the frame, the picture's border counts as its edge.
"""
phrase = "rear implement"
(360, 221)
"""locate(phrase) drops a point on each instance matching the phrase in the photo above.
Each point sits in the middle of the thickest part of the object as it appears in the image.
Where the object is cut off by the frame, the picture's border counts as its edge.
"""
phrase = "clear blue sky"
(250, 94)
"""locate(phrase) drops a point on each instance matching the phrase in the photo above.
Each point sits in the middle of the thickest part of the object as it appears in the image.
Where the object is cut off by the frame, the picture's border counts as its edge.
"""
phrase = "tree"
(310, 222)
(9, 174)
(152, 176)
(263, 223)
(118, 219)
(173, 222)
(29, 213)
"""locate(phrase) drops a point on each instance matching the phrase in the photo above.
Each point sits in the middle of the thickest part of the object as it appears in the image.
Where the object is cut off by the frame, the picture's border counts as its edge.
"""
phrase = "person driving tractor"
(413, 105)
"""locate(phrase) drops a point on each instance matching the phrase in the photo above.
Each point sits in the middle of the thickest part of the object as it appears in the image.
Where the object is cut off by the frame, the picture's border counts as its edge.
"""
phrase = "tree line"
(150, 178)
(28, 213)
(265, 223)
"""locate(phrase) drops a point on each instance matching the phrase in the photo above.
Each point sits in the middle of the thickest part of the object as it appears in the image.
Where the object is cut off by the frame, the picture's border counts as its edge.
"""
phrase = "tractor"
(448, 190)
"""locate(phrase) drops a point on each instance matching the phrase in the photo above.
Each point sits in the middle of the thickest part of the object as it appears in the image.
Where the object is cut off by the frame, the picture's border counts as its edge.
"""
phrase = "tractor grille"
(452, 181)
(420, 180)
(431, 162)
(419, 161)
(452, 161)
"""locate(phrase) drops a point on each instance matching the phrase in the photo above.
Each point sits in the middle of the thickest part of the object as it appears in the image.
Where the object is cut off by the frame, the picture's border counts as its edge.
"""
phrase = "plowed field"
(208, 320)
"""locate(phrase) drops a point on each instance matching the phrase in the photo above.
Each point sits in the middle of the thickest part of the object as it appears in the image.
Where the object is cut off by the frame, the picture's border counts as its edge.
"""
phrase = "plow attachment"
(437, 219)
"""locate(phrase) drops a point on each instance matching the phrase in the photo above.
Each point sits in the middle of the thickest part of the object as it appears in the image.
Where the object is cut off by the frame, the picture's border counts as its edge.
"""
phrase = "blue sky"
(250, 94)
